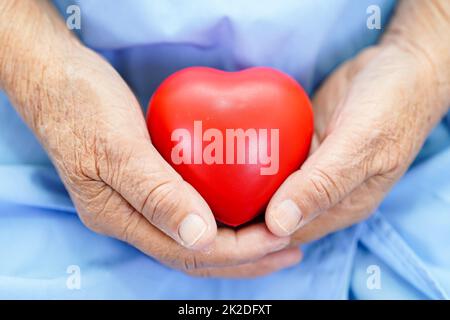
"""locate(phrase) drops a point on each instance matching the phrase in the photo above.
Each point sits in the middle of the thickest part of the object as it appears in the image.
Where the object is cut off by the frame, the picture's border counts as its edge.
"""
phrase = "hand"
(94, 131)
(122, 187)
(371, 118)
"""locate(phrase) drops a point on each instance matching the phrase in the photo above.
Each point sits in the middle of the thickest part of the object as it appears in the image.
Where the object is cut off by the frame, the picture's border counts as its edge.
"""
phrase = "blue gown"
(404, 245)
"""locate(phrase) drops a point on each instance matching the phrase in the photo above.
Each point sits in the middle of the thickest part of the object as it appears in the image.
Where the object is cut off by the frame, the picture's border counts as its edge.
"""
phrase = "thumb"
(330, 173)
(153, 188)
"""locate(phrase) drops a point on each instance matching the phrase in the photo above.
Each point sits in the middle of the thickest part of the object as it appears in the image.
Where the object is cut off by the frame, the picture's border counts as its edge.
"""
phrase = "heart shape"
(234, 136)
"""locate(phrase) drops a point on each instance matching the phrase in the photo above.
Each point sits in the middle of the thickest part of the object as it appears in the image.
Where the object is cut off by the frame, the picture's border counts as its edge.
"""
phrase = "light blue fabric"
(41, 236)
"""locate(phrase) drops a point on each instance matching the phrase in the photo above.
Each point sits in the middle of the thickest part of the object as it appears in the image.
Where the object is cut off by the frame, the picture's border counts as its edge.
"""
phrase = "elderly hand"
(371, 118)
(94, 131)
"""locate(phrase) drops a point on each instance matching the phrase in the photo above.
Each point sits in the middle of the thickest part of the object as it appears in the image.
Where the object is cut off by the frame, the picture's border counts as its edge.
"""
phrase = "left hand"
(371, 118)
(93, 129)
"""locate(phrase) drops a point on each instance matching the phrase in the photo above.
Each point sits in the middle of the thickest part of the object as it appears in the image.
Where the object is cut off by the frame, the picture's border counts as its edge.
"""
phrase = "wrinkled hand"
(94, 131)
(371, 118)
(122, 187)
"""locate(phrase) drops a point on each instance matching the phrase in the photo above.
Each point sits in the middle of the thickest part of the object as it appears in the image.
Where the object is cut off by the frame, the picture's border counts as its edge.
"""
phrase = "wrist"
(420, 76)
(33, 38)
(419, 32)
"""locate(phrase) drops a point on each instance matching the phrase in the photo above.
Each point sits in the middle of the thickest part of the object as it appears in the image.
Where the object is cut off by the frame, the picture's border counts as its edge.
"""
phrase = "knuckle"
(191, 262)
(325, 189)
(162, 201)
(390, 161)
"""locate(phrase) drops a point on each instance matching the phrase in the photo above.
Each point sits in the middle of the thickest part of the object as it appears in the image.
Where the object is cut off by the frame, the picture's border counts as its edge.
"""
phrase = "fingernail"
(191, 229)
(287, 216)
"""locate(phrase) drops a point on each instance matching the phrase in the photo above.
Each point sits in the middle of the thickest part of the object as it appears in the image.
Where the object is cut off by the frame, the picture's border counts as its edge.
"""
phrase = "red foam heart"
(195, 108)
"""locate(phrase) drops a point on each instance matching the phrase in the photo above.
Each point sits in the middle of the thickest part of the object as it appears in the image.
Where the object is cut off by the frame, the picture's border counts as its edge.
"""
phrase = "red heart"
(236, 179)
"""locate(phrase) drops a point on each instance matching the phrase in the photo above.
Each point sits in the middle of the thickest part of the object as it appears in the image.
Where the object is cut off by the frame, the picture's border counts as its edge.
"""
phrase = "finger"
(120, 220)
(229, 248)
(332, 172)
(269, 264)
(250, 243)
(354, 208)
(154, 189)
